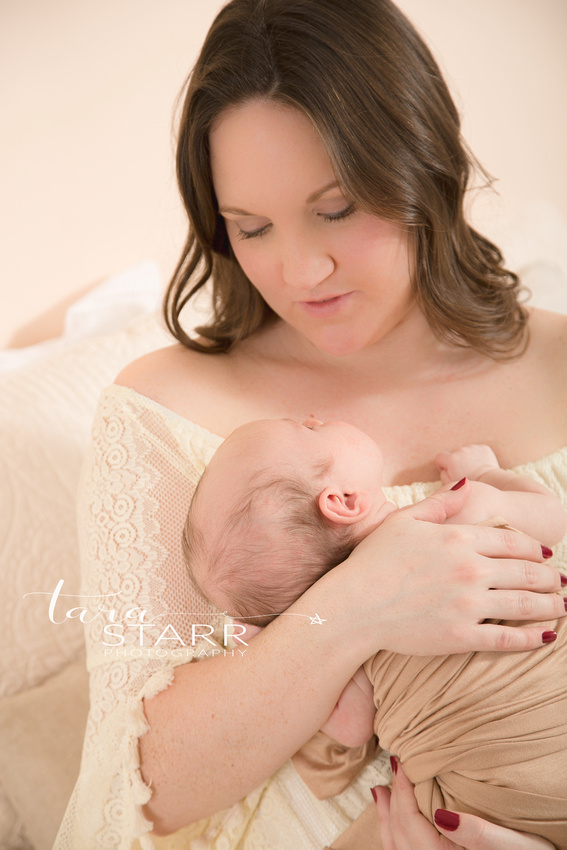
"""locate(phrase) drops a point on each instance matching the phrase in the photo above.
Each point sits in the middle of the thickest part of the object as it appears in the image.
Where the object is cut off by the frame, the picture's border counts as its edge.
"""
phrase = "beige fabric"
(41, 731)
(482, 733)
(12, 832)
(364, 832)
(329, 767)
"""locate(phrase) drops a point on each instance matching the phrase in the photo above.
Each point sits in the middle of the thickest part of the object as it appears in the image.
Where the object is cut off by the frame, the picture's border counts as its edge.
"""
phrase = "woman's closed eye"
(252, 234)
(340, 215)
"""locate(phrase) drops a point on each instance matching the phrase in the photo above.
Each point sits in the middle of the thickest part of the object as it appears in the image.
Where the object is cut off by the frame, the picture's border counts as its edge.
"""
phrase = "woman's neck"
(409, 352)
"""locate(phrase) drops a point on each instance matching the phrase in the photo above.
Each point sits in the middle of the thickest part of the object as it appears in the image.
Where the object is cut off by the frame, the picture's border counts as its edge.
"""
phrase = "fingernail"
(563, 581)
(394, 764)
(546, 552)
(374, 794)
(565, 603)
(549, 637)
(447, 820)
(459, 484)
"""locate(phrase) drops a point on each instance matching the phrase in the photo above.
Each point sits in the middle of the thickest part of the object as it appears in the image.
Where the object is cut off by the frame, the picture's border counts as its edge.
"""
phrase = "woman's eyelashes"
(339, 216)
(261, 231)
(252, 234)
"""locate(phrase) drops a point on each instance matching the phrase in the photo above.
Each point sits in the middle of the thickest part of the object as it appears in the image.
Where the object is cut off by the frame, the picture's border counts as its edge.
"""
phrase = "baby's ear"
(344, 508)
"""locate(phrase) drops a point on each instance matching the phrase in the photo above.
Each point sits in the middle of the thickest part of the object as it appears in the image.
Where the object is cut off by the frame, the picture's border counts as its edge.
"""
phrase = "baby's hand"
(467, 462)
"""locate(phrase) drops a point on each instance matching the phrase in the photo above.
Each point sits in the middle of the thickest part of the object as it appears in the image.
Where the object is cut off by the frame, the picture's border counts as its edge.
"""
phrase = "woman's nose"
(311, 423)
(305, 266)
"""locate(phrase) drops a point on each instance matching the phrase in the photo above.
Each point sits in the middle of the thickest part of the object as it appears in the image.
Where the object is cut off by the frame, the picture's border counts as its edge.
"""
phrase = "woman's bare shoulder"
(548, 333)
(187, 382)
(160, 370)
(548, 350)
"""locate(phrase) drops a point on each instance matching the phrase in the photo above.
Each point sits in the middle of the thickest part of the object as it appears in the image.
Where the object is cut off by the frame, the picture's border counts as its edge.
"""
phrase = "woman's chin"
(337, 343)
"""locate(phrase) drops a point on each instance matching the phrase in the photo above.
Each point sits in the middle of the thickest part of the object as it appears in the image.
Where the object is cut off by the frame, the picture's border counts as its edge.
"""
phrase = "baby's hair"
(276, 543)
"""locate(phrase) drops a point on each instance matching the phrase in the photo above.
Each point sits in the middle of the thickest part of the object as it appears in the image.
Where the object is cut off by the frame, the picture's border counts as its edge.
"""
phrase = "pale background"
(87, 90)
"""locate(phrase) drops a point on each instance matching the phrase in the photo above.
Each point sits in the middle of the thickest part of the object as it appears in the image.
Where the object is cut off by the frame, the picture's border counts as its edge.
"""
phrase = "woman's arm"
(413, 586)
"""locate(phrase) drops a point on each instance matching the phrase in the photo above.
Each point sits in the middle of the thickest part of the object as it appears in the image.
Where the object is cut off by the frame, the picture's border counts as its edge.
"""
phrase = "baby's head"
(279, 505)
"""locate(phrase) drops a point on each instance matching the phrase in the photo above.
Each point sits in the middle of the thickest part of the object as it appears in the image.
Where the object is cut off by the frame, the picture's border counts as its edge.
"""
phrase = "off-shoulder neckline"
(166, 413)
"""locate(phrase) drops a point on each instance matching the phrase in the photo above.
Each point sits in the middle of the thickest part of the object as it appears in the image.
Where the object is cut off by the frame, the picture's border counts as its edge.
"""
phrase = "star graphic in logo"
(317, 620)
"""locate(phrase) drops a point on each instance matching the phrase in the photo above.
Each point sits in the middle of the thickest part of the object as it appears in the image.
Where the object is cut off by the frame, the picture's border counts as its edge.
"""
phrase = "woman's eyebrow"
(235, 211)
(313, 197)
(316, 195)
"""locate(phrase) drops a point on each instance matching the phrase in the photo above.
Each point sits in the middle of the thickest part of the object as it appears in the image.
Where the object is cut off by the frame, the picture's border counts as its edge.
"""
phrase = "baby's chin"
(377, 517)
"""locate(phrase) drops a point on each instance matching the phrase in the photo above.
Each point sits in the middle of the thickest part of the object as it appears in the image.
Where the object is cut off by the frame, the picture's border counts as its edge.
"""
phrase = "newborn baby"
(282, 503)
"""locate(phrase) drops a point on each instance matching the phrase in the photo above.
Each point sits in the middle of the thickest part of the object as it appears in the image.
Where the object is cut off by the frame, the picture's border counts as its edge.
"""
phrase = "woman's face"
(336, 274)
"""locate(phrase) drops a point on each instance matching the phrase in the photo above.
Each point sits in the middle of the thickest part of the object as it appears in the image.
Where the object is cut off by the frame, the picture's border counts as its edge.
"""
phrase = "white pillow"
(41, 736)
(109, 306)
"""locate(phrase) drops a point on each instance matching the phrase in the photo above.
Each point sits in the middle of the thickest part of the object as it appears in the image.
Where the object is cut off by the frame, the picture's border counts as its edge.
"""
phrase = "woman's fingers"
(431, 586)
(505, 543)
(382, 797)
(524, 575)
(493, 638)
(403, 827)
(522, 605)
(442, 505)
(476, 834)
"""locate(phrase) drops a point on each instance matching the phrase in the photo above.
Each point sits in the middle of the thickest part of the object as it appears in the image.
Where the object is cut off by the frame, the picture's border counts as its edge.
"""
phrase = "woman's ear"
(344, 508)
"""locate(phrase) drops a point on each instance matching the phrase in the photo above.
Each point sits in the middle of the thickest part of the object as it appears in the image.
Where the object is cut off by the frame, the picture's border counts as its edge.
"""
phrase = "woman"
(321, 167)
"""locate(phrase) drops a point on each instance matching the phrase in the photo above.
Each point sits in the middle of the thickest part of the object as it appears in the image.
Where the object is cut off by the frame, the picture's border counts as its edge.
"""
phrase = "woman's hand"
(403, 827)
(429, 587)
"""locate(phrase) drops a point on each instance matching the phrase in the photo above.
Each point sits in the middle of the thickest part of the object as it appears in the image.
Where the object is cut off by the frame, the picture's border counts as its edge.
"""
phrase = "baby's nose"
(312, 423)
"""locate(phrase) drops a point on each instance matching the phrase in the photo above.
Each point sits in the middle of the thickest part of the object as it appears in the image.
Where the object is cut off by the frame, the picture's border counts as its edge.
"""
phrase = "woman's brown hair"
(370, 86)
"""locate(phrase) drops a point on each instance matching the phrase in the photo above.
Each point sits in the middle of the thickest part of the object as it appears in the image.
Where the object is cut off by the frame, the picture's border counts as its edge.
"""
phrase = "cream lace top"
(142, 468)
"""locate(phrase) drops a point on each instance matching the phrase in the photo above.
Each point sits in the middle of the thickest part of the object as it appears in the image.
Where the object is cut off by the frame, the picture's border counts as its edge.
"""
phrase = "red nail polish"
(459, 484)
(563, 581)
(394, 764)
(447, 820)
(546, 552)
(548, 637)
(374, 794)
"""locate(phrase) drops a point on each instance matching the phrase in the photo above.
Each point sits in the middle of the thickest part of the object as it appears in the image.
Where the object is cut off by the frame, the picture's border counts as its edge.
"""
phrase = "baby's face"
(354, 460)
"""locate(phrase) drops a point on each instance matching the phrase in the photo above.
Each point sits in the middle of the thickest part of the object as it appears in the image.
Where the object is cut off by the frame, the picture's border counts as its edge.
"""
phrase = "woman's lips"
(325, 307)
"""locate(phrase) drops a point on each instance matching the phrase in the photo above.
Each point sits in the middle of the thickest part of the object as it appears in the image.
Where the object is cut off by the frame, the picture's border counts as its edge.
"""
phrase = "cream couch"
(46, 409)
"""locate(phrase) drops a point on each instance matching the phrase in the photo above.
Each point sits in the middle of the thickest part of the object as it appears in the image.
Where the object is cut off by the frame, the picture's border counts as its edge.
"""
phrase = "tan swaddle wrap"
(482, 732)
